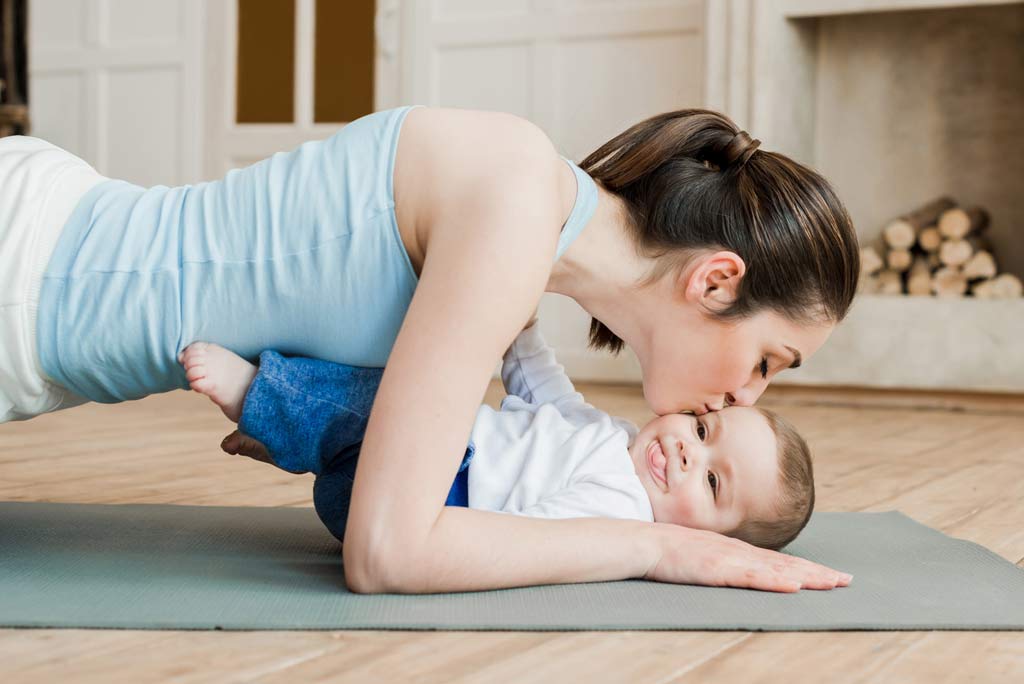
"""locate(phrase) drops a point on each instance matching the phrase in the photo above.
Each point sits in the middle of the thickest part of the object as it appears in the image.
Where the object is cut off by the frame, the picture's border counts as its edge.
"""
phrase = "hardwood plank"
(403, 657)
(145, 656)
(931, 657)
(522, 657)
(625, 657)
(24, 650)
(857, 397)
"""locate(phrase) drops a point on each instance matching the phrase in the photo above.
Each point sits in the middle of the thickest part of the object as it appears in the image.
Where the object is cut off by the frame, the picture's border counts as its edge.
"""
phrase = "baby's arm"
(531, 372)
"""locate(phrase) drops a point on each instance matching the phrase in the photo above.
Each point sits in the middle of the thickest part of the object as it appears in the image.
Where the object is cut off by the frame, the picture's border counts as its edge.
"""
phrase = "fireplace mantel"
(799, 9)
(882, 96)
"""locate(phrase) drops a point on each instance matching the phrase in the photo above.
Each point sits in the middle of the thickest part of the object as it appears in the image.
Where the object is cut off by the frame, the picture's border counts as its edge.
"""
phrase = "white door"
(581, 69)
(118, 82)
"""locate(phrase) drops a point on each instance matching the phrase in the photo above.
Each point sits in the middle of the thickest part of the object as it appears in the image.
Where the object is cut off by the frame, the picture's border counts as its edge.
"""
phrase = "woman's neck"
(601, 270)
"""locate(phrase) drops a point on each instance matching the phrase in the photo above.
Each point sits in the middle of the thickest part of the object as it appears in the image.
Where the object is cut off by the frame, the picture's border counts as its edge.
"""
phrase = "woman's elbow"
(380, 571)
(362, 569)
(381, 552)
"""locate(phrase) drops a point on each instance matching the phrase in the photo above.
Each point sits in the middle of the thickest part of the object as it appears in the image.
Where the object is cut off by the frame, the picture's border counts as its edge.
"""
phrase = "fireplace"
(897, 102)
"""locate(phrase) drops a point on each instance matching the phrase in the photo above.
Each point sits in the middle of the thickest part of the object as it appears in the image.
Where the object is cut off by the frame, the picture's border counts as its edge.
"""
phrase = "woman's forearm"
(472, 550)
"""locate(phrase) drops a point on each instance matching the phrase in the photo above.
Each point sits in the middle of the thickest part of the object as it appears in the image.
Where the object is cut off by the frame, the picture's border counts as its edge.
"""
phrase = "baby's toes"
(195, 371)
(193, 354)
(203, 385)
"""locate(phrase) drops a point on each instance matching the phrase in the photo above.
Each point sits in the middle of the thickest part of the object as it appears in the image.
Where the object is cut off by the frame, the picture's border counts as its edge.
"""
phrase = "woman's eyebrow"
(797, 357)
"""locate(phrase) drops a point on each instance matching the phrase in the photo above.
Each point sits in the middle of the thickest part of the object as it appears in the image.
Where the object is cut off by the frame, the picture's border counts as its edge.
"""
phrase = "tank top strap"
(582, 210)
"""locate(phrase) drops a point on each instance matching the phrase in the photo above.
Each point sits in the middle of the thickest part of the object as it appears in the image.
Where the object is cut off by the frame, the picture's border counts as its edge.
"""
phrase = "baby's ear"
(713, 280)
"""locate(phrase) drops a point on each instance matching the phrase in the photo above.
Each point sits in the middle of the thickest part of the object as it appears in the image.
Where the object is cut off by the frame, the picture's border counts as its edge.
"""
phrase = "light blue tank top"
(299, 253)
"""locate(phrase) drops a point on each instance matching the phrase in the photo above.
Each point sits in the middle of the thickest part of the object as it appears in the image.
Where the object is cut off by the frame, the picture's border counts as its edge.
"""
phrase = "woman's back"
(306, 252)
(299, 252)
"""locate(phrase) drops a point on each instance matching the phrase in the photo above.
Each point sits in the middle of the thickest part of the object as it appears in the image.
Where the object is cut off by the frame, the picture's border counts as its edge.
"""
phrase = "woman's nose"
(748, 394)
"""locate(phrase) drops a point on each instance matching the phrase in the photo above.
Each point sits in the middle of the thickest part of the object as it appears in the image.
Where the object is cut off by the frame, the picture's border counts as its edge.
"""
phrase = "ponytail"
(695, 134)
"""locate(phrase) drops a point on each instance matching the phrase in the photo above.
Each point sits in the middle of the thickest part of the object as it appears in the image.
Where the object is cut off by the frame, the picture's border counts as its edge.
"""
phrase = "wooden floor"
(955, 463)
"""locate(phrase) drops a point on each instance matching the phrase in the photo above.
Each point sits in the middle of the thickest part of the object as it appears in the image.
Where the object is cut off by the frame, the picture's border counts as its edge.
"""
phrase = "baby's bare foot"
(219, 374)
(241, 443)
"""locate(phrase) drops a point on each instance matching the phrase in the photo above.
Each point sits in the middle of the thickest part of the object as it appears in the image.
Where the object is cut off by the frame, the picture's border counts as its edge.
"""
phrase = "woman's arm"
(489, 256)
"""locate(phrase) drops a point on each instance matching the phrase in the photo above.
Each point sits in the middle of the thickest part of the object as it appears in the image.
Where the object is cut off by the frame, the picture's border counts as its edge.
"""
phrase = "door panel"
(119, 83)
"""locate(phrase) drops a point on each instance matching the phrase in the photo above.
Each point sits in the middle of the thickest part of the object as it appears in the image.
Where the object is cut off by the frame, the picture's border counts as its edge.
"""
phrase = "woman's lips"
(657, 462)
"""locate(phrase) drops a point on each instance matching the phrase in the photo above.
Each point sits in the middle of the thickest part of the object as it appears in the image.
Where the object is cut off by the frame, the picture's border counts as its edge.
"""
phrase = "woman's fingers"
(770, 571)
(700, 557)
(808, 574)
(817, 576)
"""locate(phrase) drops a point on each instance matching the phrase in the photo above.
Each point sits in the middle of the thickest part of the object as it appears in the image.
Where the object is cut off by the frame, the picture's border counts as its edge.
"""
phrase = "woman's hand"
(700, 557)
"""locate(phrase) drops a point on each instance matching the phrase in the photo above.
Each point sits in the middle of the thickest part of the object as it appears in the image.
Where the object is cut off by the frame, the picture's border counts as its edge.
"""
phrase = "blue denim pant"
(311, 415)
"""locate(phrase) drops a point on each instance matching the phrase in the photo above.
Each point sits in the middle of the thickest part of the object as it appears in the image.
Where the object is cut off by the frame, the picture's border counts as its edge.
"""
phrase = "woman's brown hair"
(691, 180)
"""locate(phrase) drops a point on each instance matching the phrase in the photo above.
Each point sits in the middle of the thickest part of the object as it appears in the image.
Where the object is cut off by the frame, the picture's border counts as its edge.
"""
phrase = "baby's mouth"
(657, 462)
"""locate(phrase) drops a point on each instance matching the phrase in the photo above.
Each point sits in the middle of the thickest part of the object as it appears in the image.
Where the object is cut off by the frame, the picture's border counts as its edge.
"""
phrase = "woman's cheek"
(665, 395)
(730, 370)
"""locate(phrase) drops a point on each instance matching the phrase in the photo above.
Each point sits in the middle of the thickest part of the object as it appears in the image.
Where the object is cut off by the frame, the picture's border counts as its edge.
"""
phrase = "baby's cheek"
(683, 510)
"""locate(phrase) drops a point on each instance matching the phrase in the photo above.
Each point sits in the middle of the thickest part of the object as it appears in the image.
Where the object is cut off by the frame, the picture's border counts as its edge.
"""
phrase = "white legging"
(40, 184)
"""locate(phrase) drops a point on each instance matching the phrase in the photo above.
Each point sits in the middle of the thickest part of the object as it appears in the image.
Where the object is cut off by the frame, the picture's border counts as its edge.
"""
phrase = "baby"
(743, 472)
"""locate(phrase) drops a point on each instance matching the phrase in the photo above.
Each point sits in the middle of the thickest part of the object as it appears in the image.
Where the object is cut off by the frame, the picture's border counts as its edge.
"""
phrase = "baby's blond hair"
(795, 501)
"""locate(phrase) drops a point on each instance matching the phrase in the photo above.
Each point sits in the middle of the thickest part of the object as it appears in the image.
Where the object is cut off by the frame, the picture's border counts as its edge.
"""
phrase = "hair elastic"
(740, 149)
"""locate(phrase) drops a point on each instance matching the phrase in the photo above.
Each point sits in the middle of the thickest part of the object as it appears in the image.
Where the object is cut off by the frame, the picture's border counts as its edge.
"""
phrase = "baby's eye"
(764, 367)
(713, 481)
(702, 432)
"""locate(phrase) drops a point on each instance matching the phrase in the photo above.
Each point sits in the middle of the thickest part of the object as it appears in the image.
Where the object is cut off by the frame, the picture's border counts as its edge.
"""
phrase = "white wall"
(118, 82)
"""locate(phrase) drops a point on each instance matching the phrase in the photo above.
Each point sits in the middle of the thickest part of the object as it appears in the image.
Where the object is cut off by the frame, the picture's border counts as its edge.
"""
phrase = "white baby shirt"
(547, 453)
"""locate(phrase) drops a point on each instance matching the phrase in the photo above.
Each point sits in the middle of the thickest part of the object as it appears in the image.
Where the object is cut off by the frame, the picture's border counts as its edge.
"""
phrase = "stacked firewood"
(939, 249)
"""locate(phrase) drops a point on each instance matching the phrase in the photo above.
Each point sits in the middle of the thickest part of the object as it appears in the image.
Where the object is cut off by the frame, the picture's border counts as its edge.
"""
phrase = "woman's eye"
(702, 432)
(713, 481)
(764, 367)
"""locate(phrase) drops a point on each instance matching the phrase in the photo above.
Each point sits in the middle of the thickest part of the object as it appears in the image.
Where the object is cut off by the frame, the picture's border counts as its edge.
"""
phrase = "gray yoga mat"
(201, 567)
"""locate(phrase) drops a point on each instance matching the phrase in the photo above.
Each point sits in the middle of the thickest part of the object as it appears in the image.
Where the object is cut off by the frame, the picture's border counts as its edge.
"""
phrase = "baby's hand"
(239, 443)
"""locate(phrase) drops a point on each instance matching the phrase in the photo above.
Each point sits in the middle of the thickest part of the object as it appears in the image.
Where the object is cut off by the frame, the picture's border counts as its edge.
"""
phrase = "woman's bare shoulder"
(457, 165)
(462, 134)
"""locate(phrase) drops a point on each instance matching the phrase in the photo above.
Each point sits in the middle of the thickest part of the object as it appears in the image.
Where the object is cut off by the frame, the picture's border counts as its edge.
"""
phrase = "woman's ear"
(713, 280)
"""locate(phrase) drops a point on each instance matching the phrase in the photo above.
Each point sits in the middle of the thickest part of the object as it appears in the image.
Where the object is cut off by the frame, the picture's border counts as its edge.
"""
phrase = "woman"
(425, 238)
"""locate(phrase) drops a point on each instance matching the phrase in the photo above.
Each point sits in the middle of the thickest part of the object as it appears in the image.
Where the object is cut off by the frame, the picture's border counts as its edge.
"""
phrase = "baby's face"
(708, 472)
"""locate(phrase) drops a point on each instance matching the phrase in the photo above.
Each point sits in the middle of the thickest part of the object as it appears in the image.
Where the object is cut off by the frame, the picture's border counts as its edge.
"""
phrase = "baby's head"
(744, 472)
